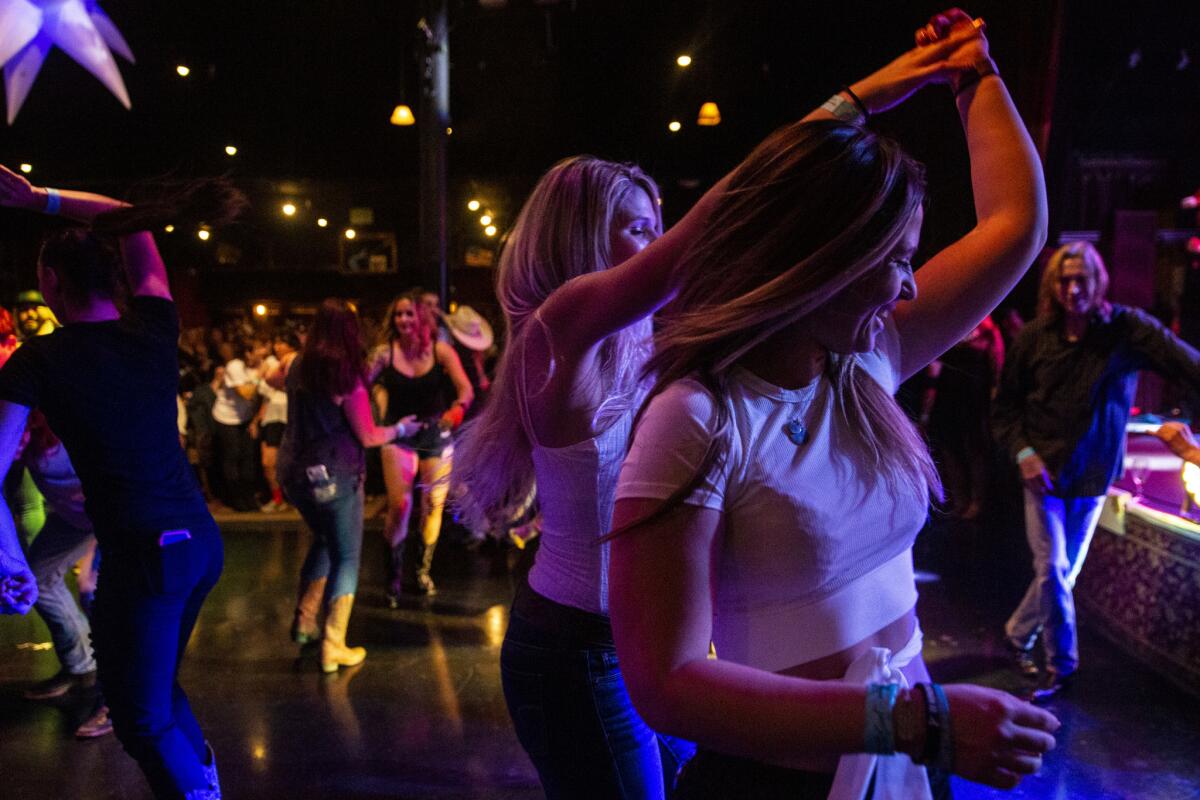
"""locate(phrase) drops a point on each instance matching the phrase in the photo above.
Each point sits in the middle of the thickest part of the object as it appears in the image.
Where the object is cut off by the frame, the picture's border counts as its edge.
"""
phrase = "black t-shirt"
(108, 391)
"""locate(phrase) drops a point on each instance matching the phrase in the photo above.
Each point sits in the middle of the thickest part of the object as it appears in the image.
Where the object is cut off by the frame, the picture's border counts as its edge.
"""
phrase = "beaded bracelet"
(879, 736)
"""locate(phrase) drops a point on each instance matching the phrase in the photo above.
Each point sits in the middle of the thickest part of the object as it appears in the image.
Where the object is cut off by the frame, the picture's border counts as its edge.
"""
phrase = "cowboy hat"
(470, 328)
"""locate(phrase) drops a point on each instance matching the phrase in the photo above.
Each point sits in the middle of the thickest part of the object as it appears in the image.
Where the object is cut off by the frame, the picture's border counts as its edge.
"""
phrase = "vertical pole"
(433, 117)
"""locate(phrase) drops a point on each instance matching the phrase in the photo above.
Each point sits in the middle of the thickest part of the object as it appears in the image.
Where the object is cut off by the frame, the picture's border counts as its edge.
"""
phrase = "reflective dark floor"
(423, 717)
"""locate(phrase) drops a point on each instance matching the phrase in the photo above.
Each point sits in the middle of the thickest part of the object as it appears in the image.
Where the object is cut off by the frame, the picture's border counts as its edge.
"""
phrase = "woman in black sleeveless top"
(409, 372)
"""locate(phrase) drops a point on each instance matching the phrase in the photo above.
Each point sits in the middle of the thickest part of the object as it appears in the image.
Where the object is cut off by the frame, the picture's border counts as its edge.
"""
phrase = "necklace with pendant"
(795, 429)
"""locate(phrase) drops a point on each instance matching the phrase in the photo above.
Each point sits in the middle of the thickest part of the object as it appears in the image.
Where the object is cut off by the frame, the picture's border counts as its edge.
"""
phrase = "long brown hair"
(814, 208)
(563, 231)
(331, 363)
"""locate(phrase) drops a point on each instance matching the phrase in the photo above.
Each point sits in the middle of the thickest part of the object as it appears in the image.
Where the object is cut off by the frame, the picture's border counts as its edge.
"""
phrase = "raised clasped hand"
(939, 60)
(942, 24)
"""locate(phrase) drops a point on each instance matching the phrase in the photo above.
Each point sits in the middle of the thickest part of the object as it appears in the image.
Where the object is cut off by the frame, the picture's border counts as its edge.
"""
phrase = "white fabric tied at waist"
(896, 776)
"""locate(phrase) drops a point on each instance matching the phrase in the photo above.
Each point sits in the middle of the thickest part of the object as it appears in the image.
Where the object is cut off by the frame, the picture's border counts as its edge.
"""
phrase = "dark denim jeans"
(571, 710)
(334, 514)
(146, 606)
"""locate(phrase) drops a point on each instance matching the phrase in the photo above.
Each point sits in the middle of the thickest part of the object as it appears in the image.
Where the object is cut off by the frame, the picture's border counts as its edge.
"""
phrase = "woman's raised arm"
(589, 308)
(143, 265)
(963, 283)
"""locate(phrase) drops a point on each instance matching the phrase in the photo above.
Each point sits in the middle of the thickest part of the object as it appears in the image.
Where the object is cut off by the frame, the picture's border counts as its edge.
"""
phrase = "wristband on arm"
(879, 735)
(1024, 453)
(53, 202)
(844, 110)
(454, 415)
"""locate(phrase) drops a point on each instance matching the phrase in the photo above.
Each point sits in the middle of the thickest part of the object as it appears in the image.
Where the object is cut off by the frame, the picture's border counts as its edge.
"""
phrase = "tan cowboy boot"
(425, 583)
(308, 604)
(334, 652)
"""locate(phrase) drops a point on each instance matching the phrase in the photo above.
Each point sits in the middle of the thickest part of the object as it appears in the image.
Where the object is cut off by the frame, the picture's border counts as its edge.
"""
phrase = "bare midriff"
(893, 636)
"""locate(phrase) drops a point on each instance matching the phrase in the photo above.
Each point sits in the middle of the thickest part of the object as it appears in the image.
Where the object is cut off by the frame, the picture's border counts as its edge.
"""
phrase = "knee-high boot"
(334, 652)
(424, 582)
(308, 604)
(396, 582)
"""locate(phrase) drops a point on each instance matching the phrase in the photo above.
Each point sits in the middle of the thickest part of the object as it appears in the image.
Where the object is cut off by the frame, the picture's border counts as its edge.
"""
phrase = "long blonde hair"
(563, 232)
(1048, 303)
(815, 207)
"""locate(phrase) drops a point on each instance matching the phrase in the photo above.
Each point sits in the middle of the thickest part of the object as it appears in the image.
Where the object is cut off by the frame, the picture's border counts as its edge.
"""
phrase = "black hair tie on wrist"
(967, 83)
(858, 102)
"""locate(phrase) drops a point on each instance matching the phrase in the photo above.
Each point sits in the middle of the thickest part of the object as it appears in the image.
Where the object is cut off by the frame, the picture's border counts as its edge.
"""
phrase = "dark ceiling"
(304, 90)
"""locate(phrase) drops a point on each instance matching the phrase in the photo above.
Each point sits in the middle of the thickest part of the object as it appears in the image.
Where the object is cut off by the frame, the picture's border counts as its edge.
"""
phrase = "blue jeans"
(1059, 531)
(146, 606)
(56, 548)
(571, 710)
(335, 517)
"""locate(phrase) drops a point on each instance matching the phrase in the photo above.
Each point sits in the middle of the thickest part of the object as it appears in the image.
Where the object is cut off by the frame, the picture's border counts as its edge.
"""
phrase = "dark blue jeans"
(571, 710)
(146, 606)
(334, 514)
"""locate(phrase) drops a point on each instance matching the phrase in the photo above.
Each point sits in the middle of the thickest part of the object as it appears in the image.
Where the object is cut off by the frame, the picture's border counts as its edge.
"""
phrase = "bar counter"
(1140, 584)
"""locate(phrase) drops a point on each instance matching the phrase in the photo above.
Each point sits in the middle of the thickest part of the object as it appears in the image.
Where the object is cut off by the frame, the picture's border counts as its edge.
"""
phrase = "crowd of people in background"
(232, 421)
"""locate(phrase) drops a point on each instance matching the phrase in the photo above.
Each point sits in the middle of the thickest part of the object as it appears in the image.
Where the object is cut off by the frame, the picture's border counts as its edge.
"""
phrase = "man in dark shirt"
(1061, 411)
(107, 383)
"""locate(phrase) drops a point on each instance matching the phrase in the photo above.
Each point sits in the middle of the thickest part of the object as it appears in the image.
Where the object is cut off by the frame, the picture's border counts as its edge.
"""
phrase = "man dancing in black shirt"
(1061, 411)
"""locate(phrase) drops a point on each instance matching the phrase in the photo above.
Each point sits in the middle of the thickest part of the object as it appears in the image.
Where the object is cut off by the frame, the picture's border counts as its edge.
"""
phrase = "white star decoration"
(28, 28)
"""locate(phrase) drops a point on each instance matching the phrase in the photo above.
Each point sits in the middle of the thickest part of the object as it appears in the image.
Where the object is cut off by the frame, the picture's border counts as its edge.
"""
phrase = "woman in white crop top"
(774, 488)
(579, 276)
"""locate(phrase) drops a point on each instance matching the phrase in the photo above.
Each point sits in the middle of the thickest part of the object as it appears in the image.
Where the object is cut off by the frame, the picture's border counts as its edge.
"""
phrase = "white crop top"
(814, 555)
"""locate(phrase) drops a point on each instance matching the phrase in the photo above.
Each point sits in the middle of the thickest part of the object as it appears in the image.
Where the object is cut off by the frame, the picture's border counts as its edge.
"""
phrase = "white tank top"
(576, 488)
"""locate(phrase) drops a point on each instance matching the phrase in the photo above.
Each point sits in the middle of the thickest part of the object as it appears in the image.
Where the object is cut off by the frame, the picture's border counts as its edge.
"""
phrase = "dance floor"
(424, 717)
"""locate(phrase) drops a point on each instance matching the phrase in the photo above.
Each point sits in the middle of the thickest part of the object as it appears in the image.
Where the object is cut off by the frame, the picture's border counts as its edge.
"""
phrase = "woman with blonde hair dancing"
(774, 488)
(583, 270)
